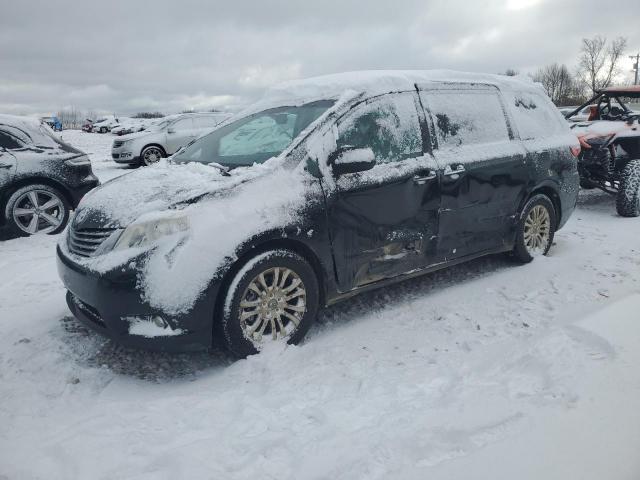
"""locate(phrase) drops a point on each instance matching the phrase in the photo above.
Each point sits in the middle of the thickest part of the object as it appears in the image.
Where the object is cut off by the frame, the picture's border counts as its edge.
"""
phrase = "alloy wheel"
(273, 304)
(151, 155)
(537, 230)
(38, 211)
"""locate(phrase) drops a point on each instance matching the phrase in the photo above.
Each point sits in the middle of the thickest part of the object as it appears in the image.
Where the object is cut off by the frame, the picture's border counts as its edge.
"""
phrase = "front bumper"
(126, 156)
(108, 302)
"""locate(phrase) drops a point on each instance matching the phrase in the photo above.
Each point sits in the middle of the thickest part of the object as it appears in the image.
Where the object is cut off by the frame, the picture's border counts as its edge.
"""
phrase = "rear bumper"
(568, 197)
(77, 192)
(108, 303)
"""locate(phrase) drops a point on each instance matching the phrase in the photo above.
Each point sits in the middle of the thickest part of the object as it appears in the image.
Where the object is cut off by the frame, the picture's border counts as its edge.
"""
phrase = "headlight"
(144, 233)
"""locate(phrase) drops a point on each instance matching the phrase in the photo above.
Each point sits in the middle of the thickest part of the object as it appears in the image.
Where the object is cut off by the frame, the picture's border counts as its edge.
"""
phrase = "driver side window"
(387, 124)
(8, 141)
(181, 125)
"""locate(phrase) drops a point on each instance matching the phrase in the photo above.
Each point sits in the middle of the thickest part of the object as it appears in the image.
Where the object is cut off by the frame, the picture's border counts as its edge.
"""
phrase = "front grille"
(85, 242)
(88, 311)
(118, 143)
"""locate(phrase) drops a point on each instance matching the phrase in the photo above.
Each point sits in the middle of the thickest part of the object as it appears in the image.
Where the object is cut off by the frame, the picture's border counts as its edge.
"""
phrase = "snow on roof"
(375, 82)
(22, 121)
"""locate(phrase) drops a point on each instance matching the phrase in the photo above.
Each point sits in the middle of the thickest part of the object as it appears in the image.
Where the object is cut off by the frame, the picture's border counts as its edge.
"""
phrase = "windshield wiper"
(224, 170)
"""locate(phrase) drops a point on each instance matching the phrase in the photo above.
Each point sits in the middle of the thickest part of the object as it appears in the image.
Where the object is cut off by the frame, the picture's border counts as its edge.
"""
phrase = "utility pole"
(635, 57)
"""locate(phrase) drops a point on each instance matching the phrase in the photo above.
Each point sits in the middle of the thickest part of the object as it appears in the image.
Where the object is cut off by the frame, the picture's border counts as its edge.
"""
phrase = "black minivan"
(326, 188)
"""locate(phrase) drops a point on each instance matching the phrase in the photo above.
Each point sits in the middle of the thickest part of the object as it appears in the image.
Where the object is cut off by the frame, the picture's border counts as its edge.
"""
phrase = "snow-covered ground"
(484, 371)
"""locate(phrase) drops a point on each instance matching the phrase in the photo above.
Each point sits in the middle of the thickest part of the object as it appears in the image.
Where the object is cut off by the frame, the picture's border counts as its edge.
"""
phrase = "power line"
(635, 57)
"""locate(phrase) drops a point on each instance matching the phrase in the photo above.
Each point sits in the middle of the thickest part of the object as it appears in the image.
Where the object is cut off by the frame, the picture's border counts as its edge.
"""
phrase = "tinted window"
(466, 117)
(536, 116)
(389, 125)
(8, 141)
(255, 138)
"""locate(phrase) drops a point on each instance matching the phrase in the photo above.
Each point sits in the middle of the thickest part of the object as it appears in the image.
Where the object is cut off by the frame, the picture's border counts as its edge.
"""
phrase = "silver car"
(164, 138)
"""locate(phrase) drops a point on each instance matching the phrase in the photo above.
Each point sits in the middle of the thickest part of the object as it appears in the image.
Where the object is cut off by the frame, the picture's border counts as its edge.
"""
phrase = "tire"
(151, 154)
(628, 198)
(243, 336)
(50, 215)
(586, 184)
(536, 228)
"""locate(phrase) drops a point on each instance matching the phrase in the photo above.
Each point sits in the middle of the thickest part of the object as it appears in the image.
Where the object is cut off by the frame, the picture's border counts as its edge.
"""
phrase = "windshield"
(255, 138)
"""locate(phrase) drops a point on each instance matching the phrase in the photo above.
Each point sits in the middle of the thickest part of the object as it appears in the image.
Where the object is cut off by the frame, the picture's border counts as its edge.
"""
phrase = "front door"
(484, 174)
(384, 221)
(7, 160)
(180, 133)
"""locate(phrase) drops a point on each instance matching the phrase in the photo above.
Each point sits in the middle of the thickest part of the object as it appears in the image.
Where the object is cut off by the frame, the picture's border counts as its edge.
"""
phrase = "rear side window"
(536, 116)
(466, 117)
(388, 125)
(8, 141)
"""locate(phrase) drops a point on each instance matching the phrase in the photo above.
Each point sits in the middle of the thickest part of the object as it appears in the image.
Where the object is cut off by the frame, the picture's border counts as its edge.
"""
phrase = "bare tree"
(559, 84)
(599, 61)
(510, 72)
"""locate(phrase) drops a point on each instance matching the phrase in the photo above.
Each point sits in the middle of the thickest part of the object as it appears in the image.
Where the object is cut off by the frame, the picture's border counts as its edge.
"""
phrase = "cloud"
(122, 56)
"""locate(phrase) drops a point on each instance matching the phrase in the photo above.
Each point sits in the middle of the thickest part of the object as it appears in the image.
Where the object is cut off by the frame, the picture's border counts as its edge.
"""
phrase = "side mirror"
(352, 160)
(171, 130)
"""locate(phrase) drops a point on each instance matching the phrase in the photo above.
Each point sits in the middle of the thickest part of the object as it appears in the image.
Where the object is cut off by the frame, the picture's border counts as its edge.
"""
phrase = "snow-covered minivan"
(326, 188)
(164, 137)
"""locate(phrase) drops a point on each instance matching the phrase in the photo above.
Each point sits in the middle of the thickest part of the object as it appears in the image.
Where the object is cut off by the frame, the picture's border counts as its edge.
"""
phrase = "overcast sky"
(127, 56)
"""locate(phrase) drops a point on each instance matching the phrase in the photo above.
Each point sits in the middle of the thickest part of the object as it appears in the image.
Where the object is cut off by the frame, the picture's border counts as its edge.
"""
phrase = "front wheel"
(628, 199)
(151, 155)
(37, 209)
(536, 229)
(273, 298)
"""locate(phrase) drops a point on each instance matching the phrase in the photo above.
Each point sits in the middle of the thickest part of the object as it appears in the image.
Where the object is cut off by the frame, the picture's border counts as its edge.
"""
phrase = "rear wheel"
(37, 209)
(536, 229)
(273, 298)
(628, 199)
(152, 154)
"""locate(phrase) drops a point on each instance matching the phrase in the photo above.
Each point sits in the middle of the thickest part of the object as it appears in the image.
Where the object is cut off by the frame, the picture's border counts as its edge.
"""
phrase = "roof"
(375, 82)
(625, 90)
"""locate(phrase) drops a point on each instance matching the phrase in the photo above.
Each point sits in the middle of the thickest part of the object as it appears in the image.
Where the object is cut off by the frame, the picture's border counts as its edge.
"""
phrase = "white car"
(163, 138)
(105, 125)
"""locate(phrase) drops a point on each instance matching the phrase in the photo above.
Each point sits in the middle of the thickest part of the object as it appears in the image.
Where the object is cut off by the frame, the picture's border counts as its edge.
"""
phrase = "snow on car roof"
(374, 82)
(17, 120)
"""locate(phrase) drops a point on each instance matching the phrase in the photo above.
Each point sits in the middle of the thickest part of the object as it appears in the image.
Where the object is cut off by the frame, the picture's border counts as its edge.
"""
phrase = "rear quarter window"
(536, 116)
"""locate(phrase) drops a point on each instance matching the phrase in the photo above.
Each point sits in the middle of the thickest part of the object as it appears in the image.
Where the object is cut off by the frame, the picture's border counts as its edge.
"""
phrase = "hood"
(121, 201)
(133, 136)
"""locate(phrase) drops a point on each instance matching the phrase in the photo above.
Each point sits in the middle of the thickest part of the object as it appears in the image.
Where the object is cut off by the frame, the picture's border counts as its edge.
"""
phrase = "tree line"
(598, 67)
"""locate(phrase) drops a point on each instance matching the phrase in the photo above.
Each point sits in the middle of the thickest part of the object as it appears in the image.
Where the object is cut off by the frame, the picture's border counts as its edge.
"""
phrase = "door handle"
(422, 179)
(457, 169)
(454, 172)
(5, 165)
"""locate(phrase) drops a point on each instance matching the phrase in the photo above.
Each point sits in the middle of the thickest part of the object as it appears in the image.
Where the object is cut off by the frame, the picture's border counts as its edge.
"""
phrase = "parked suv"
(328, 187)
(163, 138)
(41, 177)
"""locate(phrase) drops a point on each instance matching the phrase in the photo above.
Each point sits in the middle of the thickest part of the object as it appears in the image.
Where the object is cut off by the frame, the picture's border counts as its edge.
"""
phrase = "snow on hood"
(122, 200)
(250, 201)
